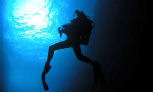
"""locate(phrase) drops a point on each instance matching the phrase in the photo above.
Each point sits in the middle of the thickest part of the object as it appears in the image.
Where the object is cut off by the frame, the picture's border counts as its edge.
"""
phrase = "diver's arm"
(64, 29)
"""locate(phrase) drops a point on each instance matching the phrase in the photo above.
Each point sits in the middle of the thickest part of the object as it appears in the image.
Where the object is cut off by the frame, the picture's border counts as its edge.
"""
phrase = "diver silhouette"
(78, 32)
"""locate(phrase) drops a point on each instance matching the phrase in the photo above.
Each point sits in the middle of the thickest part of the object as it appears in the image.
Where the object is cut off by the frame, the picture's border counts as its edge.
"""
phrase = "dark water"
(28, 27)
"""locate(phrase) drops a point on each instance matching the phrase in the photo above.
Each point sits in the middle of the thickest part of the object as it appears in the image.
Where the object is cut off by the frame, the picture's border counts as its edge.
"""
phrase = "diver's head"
(79, 13)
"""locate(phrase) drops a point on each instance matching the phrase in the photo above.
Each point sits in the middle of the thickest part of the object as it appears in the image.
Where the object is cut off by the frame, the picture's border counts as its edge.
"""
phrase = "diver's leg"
(52, 48)
(80, 56)
(98, 75)
(57, 46)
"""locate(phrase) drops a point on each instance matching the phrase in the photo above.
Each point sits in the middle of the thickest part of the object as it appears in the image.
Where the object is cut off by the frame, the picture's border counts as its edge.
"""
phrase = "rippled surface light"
(32, 19)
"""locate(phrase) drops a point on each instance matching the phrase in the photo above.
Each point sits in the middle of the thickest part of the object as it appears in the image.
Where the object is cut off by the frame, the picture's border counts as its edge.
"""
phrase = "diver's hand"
(60, 32)
(60, 35)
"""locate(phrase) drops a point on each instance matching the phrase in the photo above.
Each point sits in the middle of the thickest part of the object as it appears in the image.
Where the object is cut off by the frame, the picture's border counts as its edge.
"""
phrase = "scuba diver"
(78, 32)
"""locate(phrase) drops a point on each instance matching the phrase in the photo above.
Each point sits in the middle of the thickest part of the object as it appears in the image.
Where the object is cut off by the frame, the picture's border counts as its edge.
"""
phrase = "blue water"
(29, 28)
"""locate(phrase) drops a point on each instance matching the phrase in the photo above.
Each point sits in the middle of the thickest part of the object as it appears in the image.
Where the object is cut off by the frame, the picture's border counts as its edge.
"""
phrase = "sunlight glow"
(33, 18)
(33, 13)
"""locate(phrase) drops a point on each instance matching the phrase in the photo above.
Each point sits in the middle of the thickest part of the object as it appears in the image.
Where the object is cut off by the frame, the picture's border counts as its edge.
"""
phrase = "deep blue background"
(116, 42)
